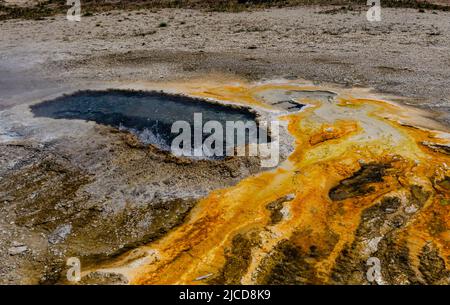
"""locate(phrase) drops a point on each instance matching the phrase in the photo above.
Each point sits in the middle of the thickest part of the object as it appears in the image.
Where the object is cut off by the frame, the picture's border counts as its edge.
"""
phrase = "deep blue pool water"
(148, 115)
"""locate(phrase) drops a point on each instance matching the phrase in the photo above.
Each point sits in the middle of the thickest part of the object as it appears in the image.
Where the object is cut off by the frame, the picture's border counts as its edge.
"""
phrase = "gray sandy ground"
(406, 54)
(82, 177)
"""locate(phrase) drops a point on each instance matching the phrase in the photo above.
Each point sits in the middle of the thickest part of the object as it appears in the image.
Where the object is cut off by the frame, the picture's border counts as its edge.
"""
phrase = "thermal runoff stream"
(366, 179)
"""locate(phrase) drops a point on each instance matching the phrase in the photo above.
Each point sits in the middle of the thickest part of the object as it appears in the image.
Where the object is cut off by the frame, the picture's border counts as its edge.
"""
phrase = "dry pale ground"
(406, 54)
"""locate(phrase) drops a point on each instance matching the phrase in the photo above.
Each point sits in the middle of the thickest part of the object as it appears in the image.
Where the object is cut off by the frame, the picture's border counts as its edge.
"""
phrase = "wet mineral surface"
(359, 178)
(359, 184)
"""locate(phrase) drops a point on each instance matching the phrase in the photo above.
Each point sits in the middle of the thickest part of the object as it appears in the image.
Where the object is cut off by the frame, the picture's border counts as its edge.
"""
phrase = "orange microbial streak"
(324, 204)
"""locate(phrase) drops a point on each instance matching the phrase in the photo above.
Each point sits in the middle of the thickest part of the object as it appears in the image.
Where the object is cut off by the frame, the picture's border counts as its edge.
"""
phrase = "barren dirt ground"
(407, 55)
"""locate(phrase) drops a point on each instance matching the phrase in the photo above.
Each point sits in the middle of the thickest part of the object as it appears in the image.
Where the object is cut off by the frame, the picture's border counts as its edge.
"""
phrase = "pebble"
(17, 250)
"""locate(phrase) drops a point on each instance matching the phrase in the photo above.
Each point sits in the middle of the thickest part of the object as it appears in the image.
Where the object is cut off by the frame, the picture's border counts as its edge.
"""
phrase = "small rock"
(17, 244)
(8, 198)
(290, 197)
(60, 234)
(17, 250)
(410, 209)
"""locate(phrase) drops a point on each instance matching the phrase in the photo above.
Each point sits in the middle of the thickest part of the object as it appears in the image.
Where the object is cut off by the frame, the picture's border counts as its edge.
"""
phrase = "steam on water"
(148, 115)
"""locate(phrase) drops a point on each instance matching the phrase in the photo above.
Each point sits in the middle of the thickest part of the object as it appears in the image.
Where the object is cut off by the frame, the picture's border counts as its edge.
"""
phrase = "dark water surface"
(149, 115)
